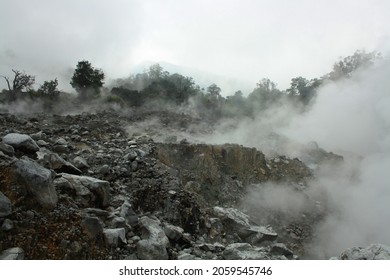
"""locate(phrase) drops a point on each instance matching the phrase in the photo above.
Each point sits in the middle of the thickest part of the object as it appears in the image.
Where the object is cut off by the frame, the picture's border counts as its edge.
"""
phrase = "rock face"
(5, 206)
(37, 180)
(372, 252)
(21, 141)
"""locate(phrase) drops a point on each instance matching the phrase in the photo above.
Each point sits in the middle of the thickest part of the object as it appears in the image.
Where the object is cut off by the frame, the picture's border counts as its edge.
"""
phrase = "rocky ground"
(91, 186)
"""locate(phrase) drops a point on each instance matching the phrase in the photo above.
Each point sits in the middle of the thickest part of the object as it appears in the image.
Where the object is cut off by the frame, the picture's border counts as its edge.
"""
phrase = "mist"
(350, 117)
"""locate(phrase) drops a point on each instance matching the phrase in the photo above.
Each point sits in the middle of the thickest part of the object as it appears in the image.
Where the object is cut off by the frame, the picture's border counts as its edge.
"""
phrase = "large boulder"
(37, 180)
(54, 161)
(372, 252)
(115, 236)
(21, 141)
(92, 189)
(154, 243)
(5, 206)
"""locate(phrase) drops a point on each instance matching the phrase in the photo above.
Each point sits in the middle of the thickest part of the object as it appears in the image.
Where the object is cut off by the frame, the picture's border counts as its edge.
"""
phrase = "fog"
(350, 117)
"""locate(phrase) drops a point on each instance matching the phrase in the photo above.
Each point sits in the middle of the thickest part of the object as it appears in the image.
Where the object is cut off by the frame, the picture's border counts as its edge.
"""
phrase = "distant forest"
(157, 89)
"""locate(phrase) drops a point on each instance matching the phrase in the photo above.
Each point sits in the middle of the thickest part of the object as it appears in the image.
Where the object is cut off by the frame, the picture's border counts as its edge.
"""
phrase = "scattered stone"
(173, 232)
(38, 182)
(281, 249)
(86, 186)
(104, 169)
(244, 251)
(185, 256)
(15, 253)
(7, 149)
(7, 225)
(151, 250)
(21, 141)
(115, 237)
(55, 162)
(5, 206)
(80, 162)
(127, 212)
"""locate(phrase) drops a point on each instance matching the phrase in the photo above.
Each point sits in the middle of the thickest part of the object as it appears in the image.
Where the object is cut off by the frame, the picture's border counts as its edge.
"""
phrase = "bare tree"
(21, 82)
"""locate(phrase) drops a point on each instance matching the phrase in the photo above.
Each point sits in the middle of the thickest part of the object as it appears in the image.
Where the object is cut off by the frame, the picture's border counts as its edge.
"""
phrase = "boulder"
(15, 253)
(115, 237)
(37, 180)
(7, 225)
(127, 212)
(5, 206)
(21, 141)
(151, 229)
(7, 149)
(150, 249)
(54, 161)
(80, 162)
(173, 232)
(95, 189)
(281, 249)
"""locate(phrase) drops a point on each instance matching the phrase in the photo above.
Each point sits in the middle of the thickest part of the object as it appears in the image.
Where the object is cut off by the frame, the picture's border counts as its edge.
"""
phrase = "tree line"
(158, 87)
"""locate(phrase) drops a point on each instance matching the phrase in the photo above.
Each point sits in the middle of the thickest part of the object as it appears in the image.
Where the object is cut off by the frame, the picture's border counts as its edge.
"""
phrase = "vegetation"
(160, 89)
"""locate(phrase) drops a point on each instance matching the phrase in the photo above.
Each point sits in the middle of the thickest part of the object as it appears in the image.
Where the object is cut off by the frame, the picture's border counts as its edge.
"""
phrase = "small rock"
(127, 212)
(173, 232)
(80, 162)
(115, 237)
(104, 169)
(15, 253)
(151, 250)
(281, 249)
(186, 256)
(7, 225)
(61, 141)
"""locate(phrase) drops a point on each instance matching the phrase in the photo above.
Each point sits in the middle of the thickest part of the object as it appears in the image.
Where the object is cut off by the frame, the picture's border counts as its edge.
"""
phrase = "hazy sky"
(245, 39)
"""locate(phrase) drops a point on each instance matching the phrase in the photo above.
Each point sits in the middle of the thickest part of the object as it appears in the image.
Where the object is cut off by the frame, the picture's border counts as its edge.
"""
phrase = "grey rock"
(15, 253)
(127, 212)
(134, 166)
(21, 141)
(42, 143)
(61, 141)
(80, 162)
(38, 136)
(97, 190)
(5, 206)
(258, 234)
(173, 232)
(185, 256)
(7, 149)
(119, 222)
(92, 227)
(115, 237)
(281, 249)
(7, 225)
(104, 169)
(244, 251)
(61, 148)
(371, 252)
(151, 250)
(130, 156)
(151, 229)
(53, 161)
(37, 180)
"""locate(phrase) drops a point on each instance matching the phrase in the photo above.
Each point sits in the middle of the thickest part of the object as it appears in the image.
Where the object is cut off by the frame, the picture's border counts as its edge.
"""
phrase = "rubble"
(72, 188)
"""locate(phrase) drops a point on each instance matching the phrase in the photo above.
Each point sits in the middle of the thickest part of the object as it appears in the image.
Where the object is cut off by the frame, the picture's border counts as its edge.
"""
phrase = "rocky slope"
(88, 187)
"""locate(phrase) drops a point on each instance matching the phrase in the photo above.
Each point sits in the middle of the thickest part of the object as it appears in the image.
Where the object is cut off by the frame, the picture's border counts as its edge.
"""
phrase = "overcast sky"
(245, 39)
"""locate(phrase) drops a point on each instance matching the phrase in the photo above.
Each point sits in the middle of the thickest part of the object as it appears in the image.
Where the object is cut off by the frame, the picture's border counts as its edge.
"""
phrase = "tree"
(156, 72)
(21, 83)
(303, 89)
(214, 90)
(87, 80)
(345, 67)
(264, 95)
(49, 89)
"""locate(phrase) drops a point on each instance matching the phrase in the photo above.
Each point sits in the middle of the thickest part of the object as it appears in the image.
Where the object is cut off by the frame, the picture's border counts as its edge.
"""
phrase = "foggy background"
(246, 40)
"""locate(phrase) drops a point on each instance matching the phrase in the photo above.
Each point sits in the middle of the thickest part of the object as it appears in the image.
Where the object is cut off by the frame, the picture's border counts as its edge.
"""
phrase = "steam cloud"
(351, 117)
